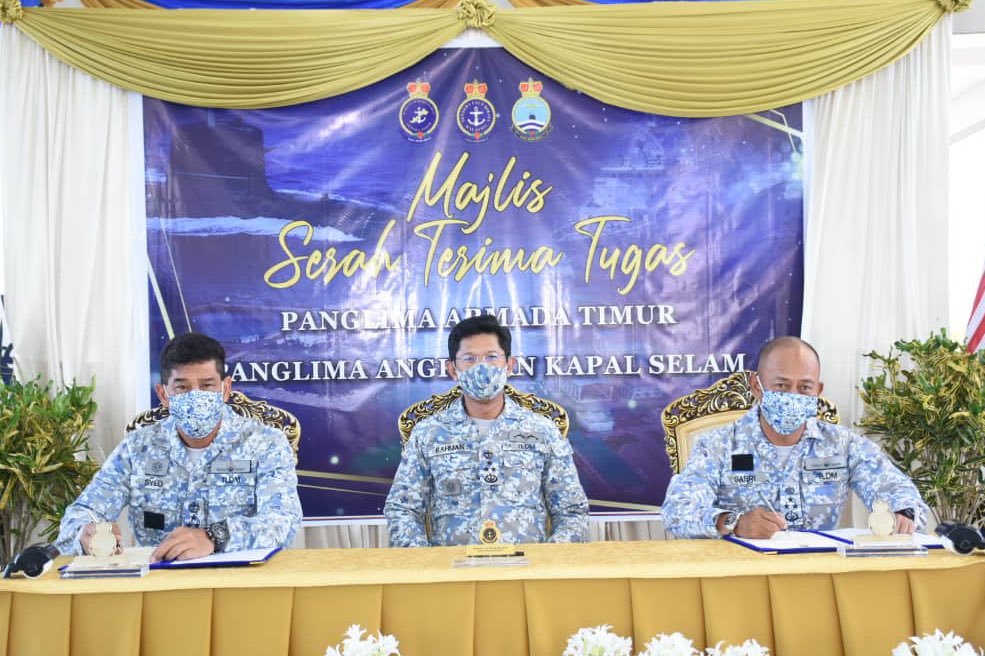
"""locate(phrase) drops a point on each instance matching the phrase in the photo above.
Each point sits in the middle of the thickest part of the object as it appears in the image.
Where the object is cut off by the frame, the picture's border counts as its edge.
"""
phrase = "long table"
(302, 600)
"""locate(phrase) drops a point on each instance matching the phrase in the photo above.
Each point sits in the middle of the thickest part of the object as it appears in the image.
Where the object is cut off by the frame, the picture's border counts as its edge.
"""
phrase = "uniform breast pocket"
(741, 489)
(523, 473)
(231, 495)
(454, 481)
(149, 492)
(531, 461)
(823, 489)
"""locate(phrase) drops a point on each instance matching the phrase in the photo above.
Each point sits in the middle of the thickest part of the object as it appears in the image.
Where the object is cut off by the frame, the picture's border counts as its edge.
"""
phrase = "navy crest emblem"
(476, 115)
(531, 114)
(418, 114)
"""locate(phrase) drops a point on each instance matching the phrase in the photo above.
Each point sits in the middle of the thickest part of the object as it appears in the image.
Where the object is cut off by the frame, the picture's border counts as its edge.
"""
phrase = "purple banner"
(331, 247)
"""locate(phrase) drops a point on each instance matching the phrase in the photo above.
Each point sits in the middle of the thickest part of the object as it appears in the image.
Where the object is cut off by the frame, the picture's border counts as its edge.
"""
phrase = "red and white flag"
(976, 324)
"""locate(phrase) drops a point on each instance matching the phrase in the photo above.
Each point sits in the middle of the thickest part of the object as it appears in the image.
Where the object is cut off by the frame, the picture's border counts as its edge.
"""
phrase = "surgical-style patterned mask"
(196, 412)
(482, 381)
(785, 412)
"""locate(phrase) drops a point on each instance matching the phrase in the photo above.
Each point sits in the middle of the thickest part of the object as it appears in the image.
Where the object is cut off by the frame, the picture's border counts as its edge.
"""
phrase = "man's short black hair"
(780, 342)
(191, 348)
(484, 324)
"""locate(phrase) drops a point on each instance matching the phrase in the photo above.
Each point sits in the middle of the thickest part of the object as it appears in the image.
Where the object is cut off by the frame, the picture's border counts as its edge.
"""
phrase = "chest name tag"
(231, 466)
(524, 446)
(443, 449)
(154, 481)
(827, 475)
(746, 478)
(825, 462)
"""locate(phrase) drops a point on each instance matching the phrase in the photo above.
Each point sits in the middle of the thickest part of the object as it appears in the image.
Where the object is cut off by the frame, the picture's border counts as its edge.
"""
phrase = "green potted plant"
(43, 465)
(926, 402)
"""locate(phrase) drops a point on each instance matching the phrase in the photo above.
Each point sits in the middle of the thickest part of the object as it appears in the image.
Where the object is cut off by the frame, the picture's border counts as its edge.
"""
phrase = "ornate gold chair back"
(243, 405)
(438, 402)
(710, 407)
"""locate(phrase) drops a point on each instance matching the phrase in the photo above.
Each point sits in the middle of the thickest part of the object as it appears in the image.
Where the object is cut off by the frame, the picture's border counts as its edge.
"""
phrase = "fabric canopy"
(672, 58)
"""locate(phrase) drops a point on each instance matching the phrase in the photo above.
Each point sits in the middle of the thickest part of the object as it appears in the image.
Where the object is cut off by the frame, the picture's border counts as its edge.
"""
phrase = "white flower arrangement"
(937, 644)
(748, 648)
(598, 642)
(354, 644)
(674, 644)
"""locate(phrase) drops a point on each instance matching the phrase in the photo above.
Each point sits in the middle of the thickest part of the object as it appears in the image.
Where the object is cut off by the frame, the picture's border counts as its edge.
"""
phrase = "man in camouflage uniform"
(485, 459)
(779, 466)
(202, 480)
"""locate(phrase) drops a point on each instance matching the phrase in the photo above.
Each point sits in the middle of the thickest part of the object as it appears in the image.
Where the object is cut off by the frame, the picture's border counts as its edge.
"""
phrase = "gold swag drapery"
(141, 4)
(673, 58)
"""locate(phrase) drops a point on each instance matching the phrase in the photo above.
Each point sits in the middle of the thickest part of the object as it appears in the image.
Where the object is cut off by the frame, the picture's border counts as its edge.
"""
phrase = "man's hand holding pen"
(760, 523)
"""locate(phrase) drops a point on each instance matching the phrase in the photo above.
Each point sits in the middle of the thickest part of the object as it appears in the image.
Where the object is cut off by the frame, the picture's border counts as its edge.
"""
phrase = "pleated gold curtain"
(673, 58)
(140, 4)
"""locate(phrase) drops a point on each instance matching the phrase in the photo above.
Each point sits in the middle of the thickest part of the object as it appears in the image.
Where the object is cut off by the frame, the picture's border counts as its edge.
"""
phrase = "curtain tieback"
(10, 11)
(476, 14)
(954, 6)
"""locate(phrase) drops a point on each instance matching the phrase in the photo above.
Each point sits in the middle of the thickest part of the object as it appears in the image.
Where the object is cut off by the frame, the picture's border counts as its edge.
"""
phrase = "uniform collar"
(455, 414)
(179, 453)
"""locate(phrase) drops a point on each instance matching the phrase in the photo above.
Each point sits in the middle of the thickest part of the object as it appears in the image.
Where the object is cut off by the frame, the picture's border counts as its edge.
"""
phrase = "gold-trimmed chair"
(241, 404)
(438, 402)
(710, 407)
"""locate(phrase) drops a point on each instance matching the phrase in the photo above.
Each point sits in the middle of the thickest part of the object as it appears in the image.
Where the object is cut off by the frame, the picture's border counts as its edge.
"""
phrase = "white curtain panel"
(68, 234)
(875, 248)
(342, 536)
(876, 236)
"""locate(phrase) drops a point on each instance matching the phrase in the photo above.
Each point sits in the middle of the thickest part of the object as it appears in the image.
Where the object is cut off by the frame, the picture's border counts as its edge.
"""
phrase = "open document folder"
(786, 542)
(136, 562)
(228, 559)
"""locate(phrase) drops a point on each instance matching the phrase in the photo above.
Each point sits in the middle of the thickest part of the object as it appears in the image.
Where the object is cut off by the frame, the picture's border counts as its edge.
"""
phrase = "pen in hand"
(769, 506)
(766, 502)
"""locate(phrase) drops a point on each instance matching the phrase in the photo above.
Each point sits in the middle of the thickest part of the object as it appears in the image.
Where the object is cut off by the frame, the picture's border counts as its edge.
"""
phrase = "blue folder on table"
(789, 542)
(230, 559)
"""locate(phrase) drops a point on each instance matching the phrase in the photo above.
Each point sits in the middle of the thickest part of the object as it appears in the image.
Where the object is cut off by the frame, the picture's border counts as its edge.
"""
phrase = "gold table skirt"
(301, 601)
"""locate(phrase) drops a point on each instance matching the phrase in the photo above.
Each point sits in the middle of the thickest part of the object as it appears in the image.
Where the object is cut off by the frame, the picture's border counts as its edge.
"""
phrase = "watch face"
(219, 534)
(731, 519)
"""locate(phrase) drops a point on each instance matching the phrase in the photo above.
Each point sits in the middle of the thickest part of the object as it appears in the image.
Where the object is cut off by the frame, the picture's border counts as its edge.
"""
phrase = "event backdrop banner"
(331, 247)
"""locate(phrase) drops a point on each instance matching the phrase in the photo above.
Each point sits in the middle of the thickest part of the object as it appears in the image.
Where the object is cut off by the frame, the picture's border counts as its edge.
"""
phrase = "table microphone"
(33, 561)
(960, 538)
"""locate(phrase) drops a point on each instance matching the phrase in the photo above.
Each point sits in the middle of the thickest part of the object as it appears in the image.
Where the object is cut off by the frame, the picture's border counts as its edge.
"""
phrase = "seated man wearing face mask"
(485, 459)
(779, 467)
(200, 481)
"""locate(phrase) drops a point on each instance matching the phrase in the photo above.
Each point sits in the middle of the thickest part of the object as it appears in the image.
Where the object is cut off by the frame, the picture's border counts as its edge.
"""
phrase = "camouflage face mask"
(483, 381)
(196, 412)
(785, 412)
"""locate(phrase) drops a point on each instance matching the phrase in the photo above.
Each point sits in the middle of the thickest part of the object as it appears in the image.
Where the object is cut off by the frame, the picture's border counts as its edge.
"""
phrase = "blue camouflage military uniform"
(516, 475)
(737, 468)
(246, 477)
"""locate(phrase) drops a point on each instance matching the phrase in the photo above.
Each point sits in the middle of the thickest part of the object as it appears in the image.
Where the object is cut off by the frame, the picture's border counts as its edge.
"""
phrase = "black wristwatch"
(219, 534)
(908, 513)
